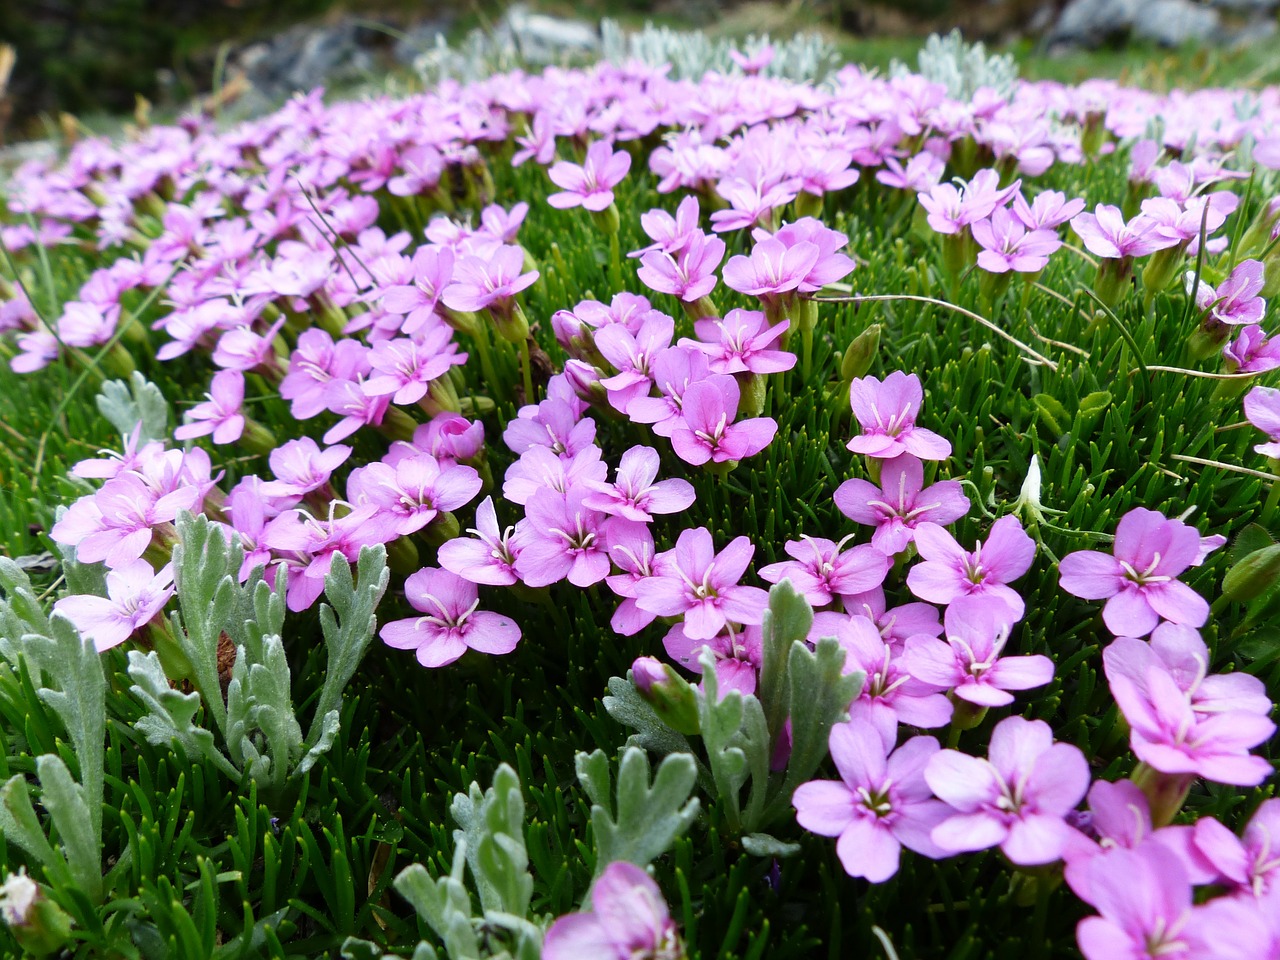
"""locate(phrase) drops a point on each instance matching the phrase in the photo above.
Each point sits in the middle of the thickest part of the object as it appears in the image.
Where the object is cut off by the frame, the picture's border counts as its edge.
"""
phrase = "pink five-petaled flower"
(693, 581)
(479, 283)
(969, 662)
(900, 503)
(1016, 798)
(706, 430)
(690, 274)
(1144, 898)
(415, 490)
(488, 558)
(628, 920)
(886, 411)
(1251, 864)
(1139, 582)
(590, 185)
(1236, 299)
(450, 622)
(771, 269)
(820, 572)
(1262, 409)
(880, 804)
(222, 415)
(1008, 245)
(560, 539)
(634, 495)
(1106, 234)
(741, 343)
(949, 572)
(135, 594)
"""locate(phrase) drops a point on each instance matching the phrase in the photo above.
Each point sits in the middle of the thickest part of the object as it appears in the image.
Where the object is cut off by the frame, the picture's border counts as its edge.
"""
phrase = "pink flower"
(561, 539)
(628, 920)
(403, 368)
(695, 582)
(493, 282)
(1016, 798)
(706, 430)
(1008, 245)
(900, 503)
(970, 661)
(949, 572)
(742, 343)
(631, 354)
(490, 557)
(880, 804)
(887, 412)
(1049, 210)
(1251, 863)
(634, 495)
(221, 416)
(689, 274)
(820, 571)
(417, 301)
(738, 655)
(771, 269)
(1236, 300)
(832, 263)
(631, 550)
(300, 466)
(1252, 351)
(414, 491)
(135, 594)
(669, 234)
(1139, 581)
(1262, 409)
(450, 623)
(1106, 234)
(1144, 898)
(590, 185)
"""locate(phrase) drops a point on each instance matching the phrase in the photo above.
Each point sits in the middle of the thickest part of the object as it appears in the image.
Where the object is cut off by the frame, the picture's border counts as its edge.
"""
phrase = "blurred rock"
(1092, 23)
(1171, 23)
(543, 39)
(308, 56)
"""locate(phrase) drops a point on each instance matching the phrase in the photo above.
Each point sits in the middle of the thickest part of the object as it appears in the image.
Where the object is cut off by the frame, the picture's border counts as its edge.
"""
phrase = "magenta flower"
(300, 466)
(590, 185)
(887, 412)
(628, 920)
(135, 594)
(771, 269)
(488, 558)
(832, 264)
(879, 805)
(221, 415)
(631, 354)
(115, 524)
(1144, 898)
(706, 430)
(1016, 798)
(1139, 582)
(560, 539)
(1252, 351)
(970, 662)
(690, 274)
(1166, 733)
(674, 371)
(900, 503)
(1262, 409)
(1008, 245)
(539, 468)
(742, 343)
(631, 550)
(822, 570)
(949, 572)
(450, 623)
(479, 283)
(738, 656)
(403, 368)
(432, 270)
(695, 582)
(1251, 863)
(634, 495)
(1106, 234)
(414, 491)
(1235, 300)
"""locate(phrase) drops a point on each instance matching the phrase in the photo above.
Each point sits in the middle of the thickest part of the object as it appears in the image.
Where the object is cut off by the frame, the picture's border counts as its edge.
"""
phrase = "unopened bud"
(672, 697)
(40, 926)
(861, 354)
(1253, 575)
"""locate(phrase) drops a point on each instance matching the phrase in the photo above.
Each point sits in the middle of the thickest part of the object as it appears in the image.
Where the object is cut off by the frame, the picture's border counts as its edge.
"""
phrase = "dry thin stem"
(861, 298)
(1261, 475)
(1204, 374)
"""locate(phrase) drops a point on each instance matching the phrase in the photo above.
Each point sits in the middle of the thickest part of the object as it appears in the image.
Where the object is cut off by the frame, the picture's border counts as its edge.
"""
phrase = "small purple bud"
(646, 672)
(672, 697)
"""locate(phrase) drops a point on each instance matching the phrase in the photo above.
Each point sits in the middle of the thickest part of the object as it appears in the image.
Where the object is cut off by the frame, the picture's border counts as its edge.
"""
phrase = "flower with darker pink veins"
(1106, 234)
(1008, 245)
(953, 207)
(832, 263)
(300, 467)
(561, 540)
(1235, 300)
(669, 234)
(417, 301)
(450, 623)
(1262, 409)
(737, 654)
(315, 362)
(115, 525)
(553, 424)
(314, 542)
(632, 551)
(822, 569)
(751, 203)
(1140, 581)
(403, 369)
(1166, 733)
(949, 572)
(890, 694)
(741, 343)
(772, 268)
(693, 581)
(628, 920)
(1049, 210)
(222, 415)
(886, 412)
(706, 431)
(488, 556)
(689, 274)
(631, 355)
(1145, 901)
(1249, 864)
(538, 469)
(414, 491)
(900, 503)
(357, 409)
(674, 371)
(492, 282)
(590, 185)
(634, 494)
(1016, 798)
(1252, 351)
(135, 594)
(879, 805)
(970, 662)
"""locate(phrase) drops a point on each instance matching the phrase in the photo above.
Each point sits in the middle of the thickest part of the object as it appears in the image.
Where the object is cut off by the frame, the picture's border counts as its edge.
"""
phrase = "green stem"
(1269, 508)
(491, 381)
(615, 261)
(806, 351)
(526, 370)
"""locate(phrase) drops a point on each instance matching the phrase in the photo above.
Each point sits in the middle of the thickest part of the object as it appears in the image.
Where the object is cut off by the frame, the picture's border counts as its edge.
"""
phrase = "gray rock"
(416, 40)
(1171, 23)
(1091, 23)
(543, 39)
(1245, 6)
(306, 56)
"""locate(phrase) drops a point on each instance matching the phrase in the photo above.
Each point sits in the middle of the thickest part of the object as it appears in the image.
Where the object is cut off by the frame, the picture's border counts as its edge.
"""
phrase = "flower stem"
(1269, 508)
(615, 262)
(526, 370)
